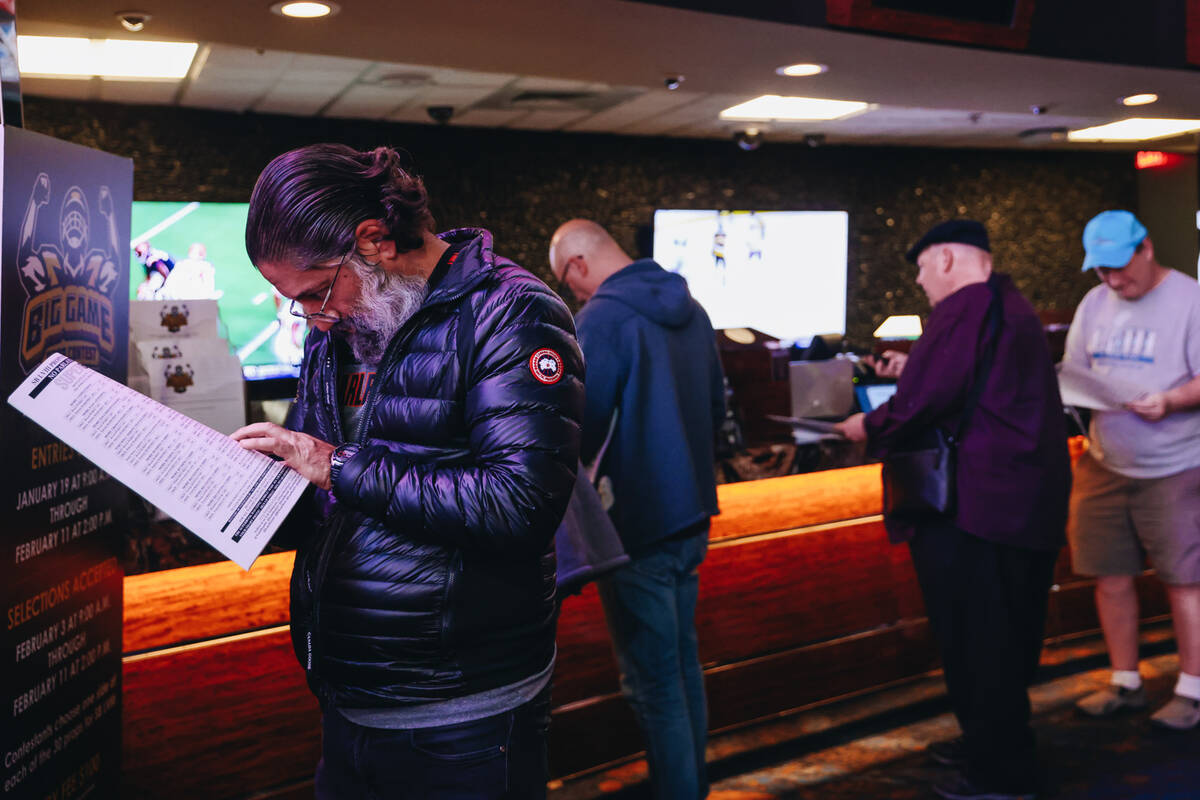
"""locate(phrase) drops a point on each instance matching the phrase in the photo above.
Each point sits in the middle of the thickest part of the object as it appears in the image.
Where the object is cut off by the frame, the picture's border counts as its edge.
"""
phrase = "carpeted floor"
(1122, 758)
(874, 748)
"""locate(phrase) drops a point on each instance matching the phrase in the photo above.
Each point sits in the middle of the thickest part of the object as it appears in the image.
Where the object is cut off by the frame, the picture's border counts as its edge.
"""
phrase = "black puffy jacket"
(431, 572)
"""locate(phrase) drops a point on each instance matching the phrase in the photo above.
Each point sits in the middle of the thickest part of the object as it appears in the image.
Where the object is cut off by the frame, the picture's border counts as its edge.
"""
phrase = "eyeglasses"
(563, 287)
(319, 315)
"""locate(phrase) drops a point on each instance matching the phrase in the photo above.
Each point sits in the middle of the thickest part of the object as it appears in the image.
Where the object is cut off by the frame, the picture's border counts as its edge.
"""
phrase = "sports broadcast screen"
(780, 272)
(197, 251)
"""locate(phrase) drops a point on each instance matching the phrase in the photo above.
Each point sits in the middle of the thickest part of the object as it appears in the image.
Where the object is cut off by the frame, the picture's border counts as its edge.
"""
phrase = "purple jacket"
(1014, 472)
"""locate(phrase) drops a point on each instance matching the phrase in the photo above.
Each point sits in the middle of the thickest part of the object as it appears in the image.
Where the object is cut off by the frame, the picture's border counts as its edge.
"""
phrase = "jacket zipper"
(390, 355)
(326, 552)
(323, 555)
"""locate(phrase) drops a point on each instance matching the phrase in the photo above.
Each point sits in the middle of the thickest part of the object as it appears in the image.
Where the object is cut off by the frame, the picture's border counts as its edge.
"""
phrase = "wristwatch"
(341, 454)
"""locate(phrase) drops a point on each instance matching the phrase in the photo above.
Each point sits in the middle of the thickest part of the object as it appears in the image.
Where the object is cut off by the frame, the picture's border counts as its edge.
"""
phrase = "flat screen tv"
(197, 250)
(780, 272)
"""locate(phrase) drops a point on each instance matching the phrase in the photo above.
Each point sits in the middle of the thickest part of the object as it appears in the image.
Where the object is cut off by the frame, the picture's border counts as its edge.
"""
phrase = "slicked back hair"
(308, 202)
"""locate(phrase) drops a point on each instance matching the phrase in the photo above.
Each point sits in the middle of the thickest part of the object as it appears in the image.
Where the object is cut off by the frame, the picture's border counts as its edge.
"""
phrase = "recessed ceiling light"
(802, 70)
(306, 10)
(133, 21)
(125, 59)
(1139, 99)
(1136, 129)
(773, 106)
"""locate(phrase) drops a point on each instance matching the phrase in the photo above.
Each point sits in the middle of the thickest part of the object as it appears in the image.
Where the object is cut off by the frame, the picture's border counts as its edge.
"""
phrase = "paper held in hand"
(1086, 388)
(234, 499)
(808, 431)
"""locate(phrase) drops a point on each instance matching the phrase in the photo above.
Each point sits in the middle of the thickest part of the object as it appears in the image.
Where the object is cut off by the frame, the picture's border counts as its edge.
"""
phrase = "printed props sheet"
(808, 431)
(1081, 386)
(232, 498)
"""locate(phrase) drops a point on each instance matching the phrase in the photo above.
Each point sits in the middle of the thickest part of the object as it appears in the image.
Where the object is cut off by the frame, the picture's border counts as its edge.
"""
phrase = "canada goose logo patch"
(546, 365)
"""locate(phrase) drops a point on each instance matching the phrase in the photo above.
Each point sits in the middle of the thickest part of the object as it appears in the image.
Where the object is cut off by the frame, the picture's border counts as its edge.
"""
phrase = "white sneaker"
(1180, 714)
(1112, 699)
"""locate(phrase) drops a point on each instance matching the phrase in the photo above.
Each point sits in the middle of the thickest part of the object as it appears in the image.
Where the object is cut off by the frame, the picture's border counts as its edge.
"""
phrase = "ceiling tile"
(299, 98)
(305, 66)
(704, 108)
(457, 96)
(224, 96)
(548, 120)
(649, 104)
(369, 102)
(224, 55)
(462, 77)
(244, 63)
(61, 88)
(487, 117)
(436, 75)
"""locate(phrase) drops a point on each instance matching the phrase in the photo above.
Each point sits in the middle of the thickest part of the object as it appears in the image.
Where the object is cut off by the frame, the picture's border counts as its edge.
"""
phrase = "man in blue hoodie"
(655, 397)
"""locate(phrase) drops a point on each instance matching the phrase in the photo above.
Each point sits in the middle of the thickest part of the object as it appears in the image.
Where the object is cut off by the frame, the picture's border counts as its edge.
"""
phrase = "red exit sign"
(1150, 159)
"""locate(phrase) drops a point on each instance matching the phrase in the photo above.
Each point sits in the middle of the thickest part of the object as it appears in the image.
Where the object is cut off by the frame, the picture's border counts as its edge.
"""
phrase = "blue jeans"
(501, 757)
(650, 605)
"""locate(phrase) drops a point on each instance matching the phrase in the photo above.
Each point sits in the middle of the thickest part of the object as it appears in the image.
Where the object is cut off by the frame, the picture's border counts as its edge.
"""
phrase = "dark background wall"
(1167, 202)
(521, 185)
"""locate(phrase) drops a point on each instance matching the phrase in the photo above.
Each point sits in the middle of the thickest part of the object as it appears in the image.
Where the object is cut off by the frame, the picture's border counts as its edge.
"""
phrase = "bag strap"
(995, 314)
(593, 469)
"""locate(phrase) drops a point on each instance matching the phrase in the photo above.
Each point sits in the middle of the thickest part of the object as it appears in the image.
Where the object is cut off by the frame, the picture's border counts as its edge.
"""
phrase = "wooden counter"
(802, 601)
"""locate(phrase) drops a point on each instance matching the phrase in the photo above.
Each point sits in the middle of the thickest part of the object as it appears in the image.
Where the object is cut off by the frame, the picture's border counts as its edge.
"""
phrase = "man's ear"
(581, 266)
(370, 240)
(945, 257)
(1148, 248)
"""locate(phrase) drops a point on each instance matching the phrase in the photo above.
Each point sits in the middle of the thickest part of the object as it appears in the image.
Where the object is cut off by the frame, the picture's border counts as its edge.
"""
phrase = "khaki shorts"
(1117, 522)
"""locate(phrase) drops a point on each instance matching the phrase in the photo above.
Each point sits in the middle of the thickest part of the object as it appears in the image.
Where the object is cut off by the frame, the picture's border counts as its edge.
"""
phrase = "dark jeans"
(497, 757)
(987, 606)
(650, 605)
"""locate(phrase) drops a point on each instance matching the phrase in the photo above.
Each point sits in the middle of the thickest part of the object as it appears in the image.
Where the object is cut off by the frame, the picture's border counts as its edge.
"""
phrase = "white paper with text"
(232, 498)
(1088, 388)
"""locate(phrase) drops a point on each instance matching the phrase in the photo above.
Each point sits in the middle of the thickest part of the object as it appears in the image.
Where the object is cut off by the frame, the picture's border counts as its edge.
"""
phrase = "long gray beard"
(387, 302)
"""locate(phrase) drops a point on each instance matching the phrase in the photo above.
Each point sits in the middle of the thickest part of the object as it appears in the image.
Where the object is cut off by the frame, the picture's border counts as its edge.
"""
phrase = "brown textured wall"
(522, 184)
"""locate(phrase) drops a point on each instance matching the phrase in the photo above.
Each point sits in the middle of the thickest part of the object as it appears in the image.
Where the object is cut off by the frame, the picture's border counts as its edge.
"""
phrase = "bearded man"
(438, 414)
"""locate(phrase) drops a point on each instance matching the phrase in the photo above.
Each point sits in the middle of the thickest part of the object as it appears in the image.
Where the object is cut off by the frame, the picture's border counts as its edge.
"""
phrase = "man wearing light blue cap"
(1137, 490)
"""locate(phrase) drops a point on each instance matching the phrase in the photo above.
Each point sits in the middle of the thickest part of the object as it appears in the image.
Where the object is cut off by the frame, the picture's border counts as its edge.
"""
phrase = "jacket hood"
(650, 290)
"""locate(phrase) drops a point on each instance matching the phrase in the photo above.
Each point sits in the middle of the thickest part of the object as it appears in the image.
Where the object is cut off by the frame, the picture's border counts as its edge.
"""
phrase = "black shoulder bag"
(919, 477)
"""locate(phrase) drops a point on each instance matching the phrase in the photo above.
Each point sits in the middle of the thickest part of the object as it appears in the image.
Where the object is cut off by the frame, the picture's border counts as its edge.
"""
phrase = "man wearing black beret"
(984, 564)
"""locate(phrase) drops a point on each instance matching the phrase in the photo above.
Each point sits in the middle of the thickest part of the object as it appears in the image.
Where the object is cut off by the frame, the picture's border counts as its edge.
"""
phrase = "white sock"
(1130, 679)
(1188, 686)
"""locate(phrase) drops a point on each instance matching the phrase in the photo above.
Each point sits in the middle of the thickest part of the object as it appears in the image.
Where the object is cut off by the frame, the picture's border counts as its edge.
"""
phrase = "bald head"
(583, 255)
(944, 268)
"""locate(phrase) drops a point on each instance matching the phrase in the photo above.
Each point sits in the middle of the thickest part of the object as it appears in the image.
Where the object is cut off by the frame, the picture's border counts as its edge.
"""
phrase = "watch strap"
(341, 454)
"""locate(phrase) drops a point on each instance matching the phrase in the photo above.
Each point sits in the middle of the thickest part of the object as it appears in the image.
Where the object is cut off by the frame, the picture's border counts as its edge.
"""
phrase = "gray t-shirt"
(1153, 342)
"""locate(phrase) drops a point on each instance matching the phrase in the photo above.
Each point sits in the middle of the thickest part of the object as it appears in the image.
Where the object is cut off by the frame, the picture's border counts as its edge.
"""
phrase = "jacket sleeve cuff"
(874, 424)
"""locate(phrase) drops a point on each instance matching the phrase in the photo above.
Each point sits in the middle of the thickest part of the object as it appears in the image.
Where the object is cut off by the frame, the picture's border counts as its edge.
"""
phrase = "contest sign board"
(64, 261)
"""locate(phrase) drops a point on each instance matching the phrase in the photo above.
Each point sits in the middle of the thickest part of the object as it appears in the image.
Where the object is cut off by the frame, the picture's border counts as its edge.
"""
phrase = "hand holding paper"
(807, 431)
(306, 454)
(854, 427)
(1152, 407)
(231, 497)
(1083, 387)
